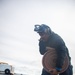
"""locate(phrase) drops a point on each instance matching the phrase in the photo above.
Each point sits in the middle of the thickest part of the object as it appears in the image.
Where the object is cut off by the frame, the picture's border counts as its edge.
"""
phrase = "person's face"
(44, 36)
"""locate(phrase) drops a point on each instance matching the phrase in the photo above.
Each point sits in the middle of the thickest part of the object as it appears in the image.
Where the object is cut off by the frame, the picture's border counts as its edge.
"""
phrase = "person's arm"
(61, 54)
(42, 47)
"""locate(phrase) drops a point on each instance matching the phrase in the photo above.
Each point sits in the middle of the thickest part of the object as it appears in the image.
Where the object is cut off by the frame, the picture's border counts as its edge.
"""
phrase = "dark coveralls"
(55, 41)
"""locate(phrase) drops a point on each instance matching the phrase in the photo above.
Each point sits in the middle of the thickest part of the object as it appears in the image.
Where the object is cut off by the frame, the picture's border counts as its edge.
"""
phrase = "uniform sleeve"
(42, 47)
(61, 54)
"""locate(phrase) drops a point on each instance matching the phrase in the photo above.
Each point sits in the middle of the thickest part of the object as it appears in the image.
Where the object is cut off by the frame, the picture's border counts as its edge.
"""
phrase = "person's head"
(43, 30)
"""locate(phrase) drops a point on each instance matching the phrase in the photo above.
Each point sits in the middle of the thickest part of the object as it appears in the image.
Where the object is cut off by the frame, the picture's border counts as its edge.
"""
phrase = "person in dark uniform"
(48, 38)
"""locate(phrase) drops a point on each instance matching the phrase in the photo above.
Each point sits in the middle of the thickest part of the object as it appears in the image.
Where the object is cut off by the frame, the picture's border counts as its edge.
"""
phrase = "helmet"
(42, 28)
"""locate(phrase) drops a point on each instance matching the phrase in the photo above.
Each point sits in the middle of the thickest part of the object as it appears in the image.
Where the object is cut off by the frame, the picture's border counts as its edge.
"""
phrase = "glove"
(54, 72)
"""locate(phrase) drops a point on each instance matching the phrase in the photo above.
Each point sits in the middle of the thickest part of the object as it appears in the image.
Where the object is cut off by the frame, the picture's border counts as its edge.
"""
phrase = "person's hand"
(54, 72)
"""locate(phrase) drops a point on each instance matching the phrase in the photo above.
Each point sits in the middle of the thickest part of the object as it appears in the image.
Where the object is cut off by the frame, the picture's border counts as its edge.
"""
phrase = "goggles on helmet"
(42, 29)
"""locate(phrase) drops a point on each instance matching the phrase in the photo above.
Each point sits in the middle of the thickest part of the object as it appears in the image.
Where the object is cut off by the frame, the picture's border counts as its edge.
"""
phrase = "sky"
(19, 42)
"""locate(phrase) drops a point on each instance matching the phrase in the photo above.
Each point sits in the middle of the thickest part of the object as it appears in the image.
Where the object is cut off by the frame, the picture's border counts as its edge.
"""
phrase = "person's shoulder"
(57, 38)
